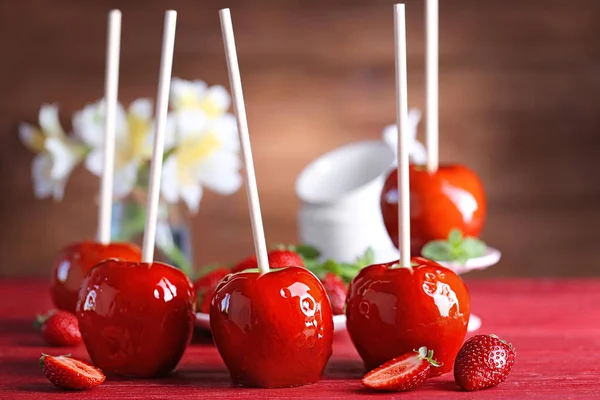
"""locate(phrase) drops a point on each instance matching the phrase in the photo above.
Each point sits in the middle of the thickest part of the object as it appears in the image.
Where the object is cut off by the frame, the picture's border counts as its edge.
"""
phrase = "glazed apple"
(74, 262)
(392, 310)
(451, 197)
(274, 330)
(136, 319)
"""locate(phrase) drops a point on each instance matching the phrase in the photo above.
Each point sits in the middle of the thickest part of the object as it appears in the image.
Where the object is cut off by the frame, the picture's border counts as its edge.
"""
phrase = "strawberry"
(336, 291)
(483, 361)
(205, 286)
(285, 258)
(68, 373)
(403, 373)
(246, 263)
(277, 259)
(59, 328)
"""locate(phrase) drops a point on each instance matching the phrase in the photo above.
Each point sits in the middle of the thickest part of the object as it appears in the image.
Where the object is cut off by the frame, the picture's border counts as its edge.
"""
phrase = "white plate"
(491, 257)
(339, 322)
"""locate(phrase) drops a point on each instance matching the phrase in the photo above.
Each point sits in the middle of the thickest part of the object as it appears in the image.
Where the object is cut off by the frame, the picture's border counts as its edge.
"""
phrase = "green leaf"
(455, 237)
(333, 267)
(473, 247)
(438, 250)
(307, 252)
(366, 259)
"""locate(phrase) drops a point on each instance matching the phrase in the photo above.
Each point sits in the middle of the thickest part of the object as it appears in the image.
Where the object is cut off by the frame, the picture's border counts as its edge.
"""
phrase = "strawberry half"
(403, 373)
(483, 361)
(59, 328)
(68, 373)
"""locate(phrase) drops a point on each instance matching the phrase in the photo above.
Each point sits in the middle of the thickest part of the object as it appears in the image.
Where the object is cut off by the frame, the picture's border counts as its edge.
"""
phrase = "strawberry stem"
(427, 355)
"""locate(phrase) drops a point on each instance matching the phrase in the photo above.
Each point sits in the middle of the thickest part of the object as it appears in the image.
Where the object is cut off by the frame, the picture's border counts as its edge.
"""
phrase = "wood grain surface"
(519, 104)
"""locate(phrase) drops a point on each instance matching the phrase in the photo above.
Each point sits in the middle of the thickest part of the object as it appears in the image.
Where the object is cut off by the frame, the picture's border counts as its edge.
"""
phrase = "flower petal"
(64, 157)
(190, 124)
(186, 94)
(191, 195)
(141, 108)
(225, 128)
(94, 162)
(169, 187)
(43, 186)
(125, 179)
(89, 124)
(31, 137)
(49, 121)
(217, 101)
(220, 172)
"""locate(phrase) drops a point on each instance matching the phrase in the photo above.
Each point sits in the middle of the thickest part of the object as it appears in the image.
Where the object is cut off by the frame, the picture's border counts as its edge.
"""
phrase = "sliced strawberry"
(483, 361)
(205, 286)
(68, 373)
(336, 291)
(403, 373)
(59, 328)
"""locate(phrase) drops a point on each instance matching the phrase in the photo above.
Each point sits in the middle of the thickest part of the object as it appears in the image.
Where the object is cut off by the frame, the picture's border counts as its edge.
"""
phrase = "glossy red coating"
(452, 197)
(136, 319)
(391, 311)
(74, 262)
(274, 330)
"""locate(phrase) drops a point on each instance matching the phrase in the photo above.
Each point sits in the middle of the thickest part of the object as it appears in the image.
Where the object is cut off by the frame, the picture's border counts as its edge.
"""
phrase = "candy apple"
(136, 319)
(451, 197)
(392, 310)
(274, 330)
(74, 262)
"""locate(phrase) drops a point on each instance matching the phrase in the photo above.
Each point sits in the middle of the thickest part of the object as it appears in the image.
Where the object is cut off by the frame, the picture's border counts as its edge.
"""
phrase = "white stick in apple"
(235, 82)
(432, 90)
(403, 135)
(111, 85)
(162, 104)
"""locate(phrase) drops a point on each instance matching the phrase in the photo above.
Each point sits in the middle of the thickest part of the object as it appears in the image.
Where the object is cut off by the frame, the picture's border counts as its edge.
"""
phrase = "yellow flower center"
(190, 101)
(192, 150)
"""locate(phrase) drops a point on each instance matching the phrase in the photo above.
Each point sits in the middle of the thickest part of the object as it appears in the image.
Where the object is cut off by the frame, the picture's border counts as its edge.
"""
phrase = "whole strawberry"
(403, 373)
(483, 361)
(206, 285)
(336, 291)
(69, 373)
(59, 328)
(277, 259)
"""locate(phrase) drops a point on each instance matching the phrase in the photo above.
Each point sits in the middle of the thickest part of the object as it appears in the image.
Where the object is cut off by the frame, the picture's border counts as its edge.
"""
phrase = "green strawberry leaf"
(473, 247)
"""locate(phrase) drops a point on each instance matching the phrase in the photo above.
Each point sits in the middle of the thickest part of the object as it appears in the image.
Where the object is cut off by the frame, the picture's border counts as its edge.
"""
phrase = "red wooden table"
(553, 324)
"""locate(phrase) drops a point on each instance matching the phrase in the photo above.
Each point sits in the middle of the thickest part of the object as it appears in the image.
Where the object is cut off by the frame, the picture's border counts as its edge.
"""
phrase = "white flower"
(206, 156)
(417, 152)
(214, 101)
(57, 154)
(134, 136)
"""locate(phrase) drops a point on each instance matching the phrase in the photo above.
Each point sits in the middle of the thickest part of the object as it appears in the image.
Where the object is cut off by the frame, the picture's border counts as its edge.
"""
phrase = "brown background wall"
(519, 95)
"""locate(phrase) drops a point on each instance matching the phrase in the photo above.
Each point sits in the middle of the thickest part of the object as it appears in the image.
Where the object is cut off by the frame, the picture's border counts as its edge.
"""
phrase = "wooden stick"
(403, 135)
(431, 87)
(111, 87)
(162, 104)
(235, 82)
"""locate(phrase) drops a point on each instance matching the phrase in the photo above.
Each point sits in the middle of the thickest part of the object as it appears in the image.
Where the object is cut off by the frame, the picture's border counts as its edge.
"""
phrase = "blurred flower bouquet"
(201, 151)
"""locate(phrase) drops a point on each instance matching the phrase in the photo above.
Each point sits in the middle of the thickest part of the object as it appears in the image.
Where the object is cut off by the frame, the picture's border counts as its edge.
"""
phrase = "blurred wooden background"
(519, 96)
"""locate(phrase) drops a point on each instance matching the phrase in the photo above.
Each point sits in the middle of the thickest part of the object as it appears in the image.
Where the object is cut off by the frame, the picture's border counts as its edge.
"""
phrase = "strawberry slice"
(403, 373)
(69, 373)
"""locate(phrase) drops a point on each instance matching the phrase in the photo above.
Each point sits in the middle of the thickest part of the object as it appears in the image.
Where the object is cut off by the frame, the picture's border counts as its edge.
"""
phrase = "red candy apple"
(274, 330)
(74, 262)
(451, 197)
(136, 319)
(392, 310)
